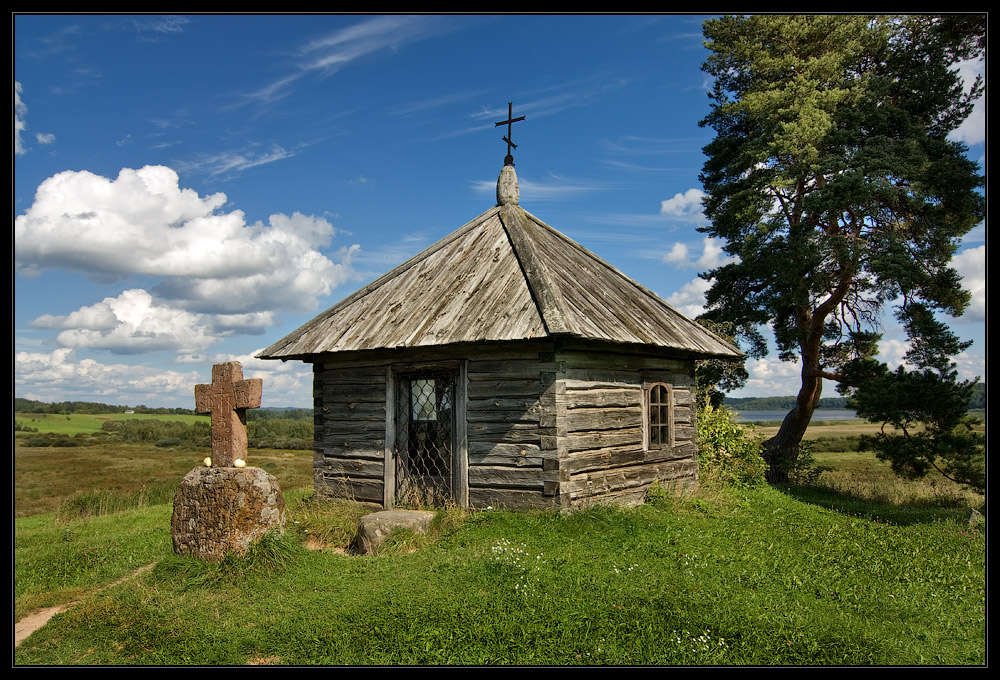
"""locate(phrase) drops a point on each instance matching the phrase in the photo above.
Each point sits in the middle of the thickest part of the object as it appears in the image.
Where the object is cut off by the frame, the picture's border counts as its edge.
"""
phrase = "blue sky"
(189, 189)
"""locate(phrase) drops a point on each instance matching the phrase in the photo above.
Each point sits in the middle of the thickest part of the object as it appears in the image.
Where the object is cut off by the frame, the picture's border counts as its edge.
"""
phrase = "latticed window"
(660, 416)
(425, 437)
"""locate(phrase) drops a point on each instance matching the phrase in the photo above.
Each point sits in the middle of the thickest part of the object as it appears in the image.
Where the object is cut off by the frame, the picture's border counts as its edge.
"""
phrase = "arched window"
(660, 416)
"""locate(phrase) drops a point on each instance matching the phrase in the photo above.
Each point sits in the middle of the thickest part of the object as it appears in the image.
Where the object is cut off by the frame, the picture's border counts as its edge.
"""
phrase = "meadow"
(856, 568)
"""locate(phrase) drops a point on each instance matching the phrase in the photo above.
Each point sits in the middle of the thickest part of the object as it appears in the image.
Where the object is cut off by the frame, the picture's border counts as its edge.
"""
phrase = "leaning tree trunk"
(782, 450)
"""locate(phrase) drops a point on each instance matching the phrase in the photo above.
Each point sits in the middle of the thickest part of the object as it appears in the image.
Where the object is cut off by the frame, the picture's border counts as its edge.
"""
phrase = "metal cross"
(509, 160)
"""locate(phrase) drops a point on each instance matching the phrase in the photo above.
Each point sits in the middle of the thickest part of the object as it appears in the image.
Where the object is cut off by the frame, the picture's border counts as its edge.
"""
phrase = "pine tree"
(832, 181)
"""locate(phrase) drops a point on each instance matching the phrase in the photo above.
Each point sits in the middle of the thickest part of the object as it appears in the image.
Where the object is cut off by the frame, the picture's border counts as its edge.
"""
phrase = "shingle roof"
(506, 275)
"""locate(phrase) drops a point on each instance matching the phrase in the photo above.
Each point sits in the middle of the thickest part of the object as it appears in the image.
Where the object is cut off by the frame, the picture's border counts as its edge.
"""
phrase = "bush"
(729, 453)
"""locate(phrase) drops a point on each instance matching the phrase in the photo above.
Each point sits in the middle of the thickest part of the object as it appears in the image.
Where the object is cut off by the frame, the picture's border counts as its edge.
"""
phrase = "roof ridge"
(543, 290)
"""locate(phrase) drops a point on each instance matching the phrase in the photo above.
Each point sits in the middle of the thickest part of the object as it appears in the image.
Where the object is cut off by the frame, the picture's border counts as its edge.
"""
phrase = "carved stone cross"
(227, 399)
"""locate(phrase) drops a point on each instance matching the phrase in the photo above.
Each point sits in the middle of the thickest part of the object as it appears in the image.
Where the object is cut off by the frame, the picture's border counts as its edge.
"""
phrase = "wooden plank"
(535, 265)
(598, 359)
(520, 368)
(606, 481)
(389, 443)
(503, 432)
(364, 490)
(460, 457)
(372, 451)
(685, 433)
(509, 498)
(504, 416)
(353, 467)
(354, 411)
(584, 420)
(624, 456)
(501, 388)
(353, 429)
(603, 397)
(352, 374)
(501, 451)
(499, 458)
(509, 477)
(338, 393)
(612, 456)
(600, 440)
(525, 404)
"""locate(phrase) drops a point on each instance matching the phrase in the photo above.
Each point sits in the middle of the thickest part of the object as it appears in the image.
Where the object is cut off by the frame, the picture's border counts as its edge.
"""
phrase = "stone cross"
(227, 399)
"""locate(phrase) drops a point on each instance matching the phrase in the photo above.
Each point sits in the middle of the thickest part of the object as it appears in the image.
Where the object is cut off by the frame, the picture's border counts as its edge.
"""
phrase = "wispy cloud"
(333, 52)
(551, 188)
(424, 105)
(653, 146)
(21, 125)
(155, 29)
(227, 163)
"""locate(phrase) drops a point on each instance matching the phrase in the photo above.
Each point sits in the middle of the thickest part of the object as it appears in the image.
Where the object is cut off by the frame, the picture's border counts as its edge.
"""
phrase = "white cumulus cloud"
(131, 322)
(712, 255)
(690, 299)
(60, 376)
(214, 274)
(144, 223)
(686, 205)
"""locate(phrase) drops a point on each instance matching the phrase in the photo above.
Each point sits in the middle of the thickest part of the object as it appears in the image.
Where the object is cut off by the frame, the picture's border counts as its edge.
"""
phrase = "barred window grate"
(425, 429)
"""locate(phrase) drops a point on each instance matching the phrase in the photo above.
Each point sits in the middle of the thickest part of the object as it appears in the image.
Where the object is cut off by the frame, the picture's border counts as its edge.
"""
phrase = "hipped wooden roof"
(506, 275)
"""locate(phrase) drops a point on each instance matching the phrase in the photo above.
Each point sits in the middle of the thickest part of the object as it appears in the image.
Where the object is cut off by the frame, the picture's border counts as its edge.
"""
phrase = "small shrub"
(729, 453)
(805, 470)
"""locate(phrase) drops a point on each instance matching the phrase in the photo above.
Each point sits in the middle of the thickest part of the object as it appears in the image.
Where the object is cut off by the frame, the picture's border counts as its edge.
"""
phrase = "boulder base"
(225, 509)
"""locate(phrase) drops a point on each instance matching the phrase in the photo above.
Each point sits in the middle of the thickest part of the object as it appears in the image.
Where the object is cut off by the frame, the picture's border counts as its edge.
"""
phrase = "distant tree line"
(978, 401)
(22, 405)
(777, 403)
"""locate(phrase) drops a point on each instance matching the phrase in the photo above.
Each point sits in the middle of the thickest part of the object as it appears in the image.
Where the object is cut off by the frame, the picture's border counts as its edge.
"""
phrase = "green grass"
(858, 569)
(775, 576)
(48, 479)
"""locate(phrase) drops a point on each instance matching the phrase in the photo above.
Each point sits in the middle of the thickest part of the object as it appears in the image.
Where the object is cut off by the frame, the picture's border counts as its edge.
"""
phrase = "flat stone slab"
(225, 509)
(375, 528)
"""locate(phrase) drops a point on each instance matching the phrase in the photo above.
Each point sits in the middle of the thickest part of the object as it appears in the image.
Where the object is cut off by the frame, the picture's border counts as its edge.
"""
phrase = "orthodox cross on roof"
(509, 160)
(227, 399)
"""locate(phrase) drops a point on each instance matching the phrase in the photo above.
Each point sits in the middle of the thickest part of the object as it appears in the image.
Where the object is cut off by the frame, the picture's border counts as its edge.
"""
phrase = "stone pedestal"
(223, 509)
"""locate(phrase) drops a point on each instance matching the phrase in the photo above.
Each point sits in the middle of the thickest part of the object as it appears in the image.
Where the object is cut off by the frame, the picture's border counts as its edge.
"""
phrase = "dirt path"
(32, 622)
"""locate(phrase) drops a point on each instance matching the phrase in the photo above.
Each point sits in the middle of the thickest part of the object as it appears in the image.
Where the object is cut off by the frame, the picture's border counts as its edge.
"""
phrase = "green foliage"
(834, 186)
(714, 377)
(925, 425)
(728, 453)
(280, 433)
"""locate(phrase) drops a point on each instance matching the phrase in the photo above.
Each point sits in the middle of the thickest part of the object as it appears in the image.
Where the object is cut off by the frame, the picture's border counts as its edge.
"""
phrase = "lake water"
(819, 414)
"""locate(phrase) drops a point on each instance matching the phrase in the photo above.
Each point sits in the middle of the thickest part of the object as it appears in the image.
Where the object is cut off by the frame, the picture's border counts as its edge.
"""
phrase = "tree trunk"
(782, 450)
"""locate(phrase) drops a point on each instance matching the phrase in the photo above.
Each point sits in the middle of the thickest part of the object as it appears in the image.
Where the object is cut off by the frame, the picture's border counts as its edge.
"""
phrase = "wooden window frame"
(653, 416)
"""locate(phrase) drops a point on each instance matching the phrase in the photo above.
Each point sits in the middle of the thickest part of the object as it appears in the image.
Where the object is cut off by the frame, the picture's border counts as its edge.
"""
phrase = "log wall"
(547, 425)
(601, 399)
